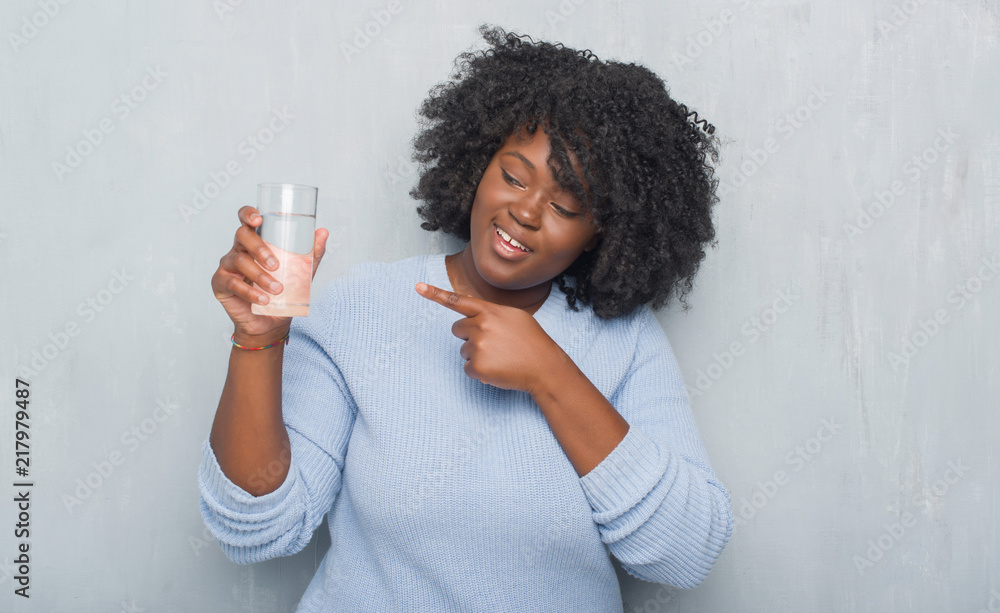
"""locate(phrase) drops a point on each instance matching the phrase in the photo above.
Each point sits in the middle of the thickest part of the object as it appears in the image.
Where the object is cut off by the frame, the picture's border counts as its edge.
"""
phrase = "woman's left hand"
(504, 346)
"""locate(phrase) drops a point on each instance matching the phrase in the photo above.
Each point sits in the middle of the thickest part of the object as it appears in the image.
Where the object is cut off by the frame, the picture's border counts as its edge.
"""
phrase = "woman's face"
(519, 195)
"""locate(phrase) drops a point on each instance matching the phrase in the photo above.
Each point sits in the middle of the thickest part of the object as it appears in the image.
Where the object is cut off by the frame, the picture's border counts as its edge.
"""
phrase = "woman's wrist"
(274, 338)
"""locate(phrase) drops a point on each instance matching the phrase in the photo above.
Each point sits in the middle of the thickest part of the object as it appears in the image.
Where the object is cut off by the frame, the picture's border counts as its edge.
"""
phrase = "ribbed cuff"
(623, 478)
(231, 500)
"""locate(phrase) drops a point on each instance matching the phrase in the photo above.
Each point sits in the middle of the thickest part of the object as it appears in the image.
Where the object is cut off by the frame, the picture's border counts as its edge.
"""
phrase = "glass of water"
(288, 227)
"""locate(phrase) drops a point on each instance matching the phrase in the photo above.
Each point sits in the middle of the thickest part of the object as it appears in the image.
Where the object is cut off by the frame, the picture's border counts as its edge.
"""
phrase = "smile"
(507, 237)
(505, 248)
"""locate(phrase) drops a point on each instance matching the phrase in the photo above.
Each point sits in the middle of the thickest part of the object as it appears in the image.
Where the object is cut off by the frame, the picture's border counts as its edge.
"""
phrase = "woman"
(484, 428)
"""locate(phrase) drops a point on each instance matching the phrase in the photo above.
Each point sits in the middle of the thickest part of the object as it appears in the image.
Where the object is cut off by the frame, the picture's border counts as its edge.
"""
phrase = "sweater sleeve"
(318, 413)
(656, 501)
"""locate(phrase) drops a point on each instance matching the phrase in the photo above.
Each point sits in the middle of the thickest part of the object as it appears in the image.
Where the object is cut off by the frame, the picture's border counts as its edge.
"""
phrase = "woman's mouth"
(505, 248)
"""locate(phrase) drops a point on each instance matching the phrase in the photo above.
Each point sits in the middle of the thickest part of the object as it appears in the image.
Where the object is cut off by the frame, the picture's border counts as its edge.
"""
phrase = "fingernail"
(272, 263)
(421, 287)
(275, 286)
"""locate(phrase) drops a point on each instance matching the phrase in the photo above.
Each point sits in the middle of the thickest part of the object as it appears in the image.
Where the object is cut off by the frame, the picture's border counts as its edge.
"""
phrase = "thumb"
(319, 247)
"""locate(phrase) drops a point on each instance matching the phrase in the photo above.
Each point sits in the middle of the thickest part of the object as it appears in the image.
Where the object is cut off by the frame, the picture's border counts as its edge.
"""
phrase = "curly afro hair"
(651, 188)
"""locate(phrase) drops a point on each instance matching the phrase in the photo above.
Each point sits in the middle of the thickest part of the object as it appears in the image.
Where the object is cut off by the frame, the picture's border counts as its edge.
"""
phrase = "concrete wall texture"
(841, 354)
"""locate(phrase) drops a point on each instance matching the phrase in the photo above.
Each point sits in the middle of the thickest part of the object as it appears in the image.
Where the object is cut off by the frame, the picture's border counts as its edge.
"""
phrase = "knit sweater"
(448, 494)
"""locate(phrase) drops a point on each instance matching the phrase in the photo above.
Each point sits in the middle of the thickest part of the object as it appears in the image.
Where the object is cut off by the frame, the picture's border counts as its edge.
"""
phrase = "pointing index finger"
(460, 303)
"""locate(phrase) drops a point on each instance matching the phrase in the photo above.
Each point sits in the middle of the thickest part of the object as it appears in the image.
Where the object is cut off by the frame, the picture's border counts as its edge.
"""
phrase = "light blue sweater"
(448, 494)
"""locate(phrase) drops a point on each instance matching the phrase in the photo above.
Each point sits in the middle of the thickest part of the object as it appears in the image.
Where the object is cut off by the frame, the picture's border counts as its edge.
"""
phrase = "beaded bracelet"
(233, 339)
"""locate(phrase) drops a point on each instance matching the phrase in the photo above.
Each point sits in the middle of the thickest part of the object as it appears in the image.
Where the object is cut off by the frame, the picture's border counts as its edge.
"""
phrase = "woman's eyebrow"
(522, 158)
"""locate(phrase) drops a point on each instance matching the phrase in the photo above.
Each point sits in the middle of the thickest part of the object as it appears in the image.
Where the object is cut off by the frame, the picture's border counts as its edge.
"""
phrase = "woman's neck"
(459, 266)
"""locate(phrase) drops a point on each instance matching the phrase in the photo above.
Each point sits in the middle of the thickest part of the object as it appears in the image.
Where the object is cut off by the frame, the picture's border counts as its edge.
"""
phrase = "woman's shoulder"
(640, 331)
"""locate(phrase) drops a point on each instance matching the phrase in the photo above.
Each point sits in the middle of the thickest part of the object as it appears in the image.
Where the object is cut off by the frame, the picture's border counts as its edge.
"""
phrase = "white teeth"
(510, 240)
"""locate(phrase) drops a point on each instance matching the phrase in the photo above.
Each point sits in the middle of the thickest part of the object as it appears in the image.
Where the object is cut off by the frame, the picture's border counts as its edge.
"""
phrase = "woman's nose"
(527, 208)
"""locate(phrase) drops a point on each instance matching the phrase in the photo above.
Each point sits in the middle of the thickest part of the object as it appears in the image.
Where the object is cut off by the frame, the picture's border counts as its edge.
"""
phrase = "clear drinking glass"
(289, 225)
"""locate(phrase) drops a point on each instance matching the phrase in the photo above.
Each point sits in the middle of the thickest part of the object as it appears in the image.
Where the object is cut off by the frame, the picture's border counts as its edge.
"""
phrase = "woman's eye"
(510, 179)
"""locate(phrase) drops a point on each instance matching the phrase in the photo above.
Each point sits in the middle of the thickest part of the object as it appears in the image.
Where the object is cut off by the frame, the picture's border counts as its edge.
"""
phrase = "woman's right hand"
(244, 265)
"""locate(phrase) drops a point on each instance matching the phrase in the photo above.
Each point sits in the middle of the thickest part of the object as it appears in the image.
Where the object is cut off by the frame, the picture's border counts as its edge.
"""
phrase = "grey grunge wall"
(841, 355)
